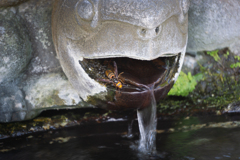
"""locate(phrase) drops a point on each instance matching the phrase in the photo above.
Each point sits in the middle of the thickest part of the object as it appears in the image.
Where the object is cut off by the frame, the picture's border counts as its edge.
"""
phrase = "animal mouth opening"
(134, 75)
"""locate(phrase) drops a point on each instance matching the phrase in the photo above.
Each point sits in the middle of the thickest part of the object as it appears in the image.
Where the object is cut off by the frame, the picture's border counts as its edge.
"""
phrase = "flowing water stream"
(147, 122)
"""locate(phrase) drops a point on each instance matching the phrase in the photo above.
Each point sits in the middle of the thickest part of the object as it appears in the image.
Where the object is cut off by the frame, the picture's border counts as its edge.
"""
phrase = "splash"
(130, 124)
(147, 122)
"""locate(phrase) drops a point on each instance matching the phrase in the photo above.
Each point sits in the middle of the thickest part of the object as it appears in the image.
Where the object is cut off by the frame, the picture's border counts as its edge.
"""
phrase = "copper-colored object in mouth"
(138, 79)
(134, 100)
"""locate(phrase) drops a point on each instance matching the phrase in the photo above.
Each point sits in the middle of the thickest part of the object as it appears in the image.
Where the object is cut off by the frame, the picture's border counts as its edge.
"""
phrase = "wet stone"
(15, 46)
(13, 106)
(7, 3)
(48, 90)
(37, 16)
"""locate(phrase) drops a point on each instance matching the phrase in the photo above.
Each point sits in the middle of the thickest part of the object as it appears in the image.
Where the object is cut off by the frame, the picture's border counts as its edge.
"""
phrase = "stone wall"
(214, 24)
(30, 74)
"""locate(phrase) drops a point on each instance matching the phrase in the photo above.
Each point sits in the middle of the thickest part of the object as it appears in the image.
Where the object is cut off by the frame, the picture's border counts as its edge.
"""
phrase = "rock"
(214, 24)
(40, 92)
(15, 46)
(49, 90)
(13, 106)
(42, 85)
(7, 3)
(37, 16)
(189, 63)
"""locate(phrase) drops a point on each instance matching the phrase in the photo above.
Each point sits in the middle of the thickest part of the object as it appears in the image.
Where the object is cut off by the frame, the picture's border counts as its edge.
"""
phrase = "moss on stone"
(218, 85)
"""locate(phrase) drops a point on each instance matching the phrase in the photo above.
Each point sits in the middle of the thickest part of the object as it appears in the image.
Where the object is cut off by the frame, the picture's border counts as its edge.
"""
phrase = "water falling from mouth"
(130, 124)
(142, 82)
(147, 122)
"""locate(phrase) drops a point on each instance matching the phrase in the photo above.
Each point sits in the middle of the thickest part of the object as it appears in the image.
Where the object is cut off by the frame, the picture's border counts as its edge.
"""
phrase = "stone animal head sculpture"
(89, 34)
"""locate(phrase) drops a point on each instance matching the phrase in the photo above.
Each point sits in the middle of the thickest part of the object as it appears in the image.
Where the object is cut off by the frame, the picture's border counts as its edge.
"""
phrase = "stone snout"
(146, 34)
(133, 29)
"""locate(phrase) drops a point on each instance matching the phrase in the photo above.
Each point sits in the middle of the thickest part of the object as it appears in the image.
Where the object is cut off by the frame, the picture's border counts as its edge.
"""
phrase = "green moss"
(185, 84)
(215, 55)
(52, 100)
(226, 55)
(219, 85)
(237, 64)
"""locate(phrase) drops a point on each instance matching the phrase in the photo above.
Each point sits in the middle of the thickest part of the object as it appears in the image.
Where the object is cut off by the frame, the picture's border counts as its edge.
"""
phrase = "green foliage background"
(185, 84)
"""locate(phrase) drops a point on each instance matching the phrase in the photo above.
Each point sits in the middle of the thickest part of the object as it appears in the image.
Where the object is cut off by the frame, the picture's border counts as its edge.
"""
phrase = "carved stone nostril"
(148, 33)
(143, 31)
(157, 30)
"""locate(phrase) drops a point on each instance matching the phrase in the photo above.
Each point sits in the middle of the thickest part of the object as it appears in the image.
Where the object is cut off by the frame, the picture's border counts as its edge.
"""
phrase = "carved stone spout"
(101, 31)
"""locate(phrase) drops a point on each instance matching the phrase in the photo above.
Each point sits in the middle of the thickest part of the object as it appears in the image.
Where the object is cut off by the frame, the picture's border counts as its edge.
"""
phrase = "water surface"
(198, 137)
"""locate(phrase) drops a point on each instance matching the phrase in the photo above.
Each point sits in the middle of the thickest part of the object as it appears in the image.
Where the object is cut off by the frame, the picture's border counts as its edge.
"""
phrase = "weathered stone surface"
(37, 16)
(49, 90)
(189, 63)
(118, 30)
(15, 46)
(33, 95)
(214, 24)
(12, 102)
(42, 84)
(6, 3)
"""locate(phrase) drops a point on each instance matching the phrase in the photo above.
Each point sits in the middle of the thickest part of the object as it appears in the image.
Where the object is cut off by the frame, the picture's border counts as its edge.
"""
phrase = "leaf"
(226, 55)
(185, 84)
(235, 65)
(237, 57)
(214, 54)
(190, 76)
(198, 76)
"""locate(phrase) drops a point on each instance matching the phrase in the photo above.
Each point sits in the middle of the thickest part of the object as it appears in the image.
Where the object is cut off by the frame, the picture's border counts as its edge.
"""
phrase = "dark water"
(204, 137)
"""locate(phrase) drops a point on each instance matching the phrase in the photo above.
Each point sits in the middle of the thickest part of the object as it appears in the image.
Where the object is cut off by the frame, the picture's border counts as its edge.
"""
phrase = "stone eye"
(85, 10)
